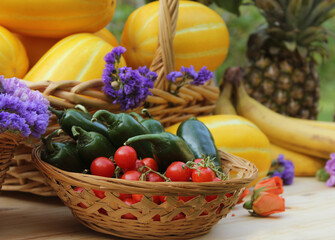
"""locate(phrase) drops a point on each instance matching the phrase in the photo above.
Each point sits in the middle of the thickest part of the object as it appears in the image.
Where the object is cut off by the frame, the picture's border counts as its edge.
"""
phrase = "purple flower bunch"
(129, 87)
(188, 76)
(330, 168)
(284, 169)
(21, 109)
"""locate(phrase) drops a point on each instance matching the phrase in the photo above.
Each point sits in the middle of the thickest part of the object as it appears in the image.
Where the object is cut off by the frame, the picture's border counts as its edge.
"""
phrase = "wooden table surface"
(309, 215)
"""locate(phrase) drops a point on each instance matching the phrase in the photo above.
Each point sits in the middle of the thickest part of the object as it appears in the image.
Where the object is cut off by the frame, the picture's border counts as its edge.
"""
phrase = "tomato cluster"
(127, 166)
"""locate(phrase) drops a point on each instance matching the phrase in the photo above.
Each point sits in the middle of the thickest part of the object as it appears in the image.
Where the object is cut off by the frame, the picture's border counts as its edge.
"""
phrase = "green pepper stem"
(154, 138)
(104, 116)
(78, 131)
(48, 141)
(81, 107)
(137, 116)
(145, 111)
(59, 114)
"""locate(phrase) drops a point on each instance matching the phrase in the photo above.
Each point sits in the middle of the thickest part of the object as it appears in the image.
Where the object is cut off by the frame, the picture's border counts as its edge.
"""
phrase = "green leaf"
(290, 45)
(232, 6)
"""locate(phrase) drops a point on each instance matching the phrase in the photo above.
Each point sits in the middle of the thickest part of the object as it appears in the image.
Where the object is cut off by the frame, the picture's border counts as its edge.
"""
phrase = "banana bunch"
(308, 143)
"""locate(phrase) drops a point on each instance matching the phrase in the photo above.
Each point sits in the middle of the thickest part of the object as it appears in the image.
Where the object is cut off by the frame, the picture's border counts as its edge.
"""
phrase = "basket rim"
(127, 186)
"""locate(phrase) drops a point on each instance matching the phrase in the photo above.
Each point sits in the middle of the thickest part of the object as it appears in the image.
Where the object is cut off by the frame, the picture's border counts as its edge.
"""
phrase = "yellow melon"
(201, 39)
(13, 57)
(238, 136)
(55, 18)
(106, 35)
(76, 57)
(36, 47)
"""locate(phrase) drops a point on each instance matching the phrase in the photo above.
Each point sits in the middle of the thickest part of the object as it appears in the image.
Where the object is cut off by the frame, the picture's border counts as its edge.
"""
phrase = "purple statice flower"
(115, 55)
(129, 87)
(330, 168)
(189, 76)
(172, 76)
(189, 72)
(14, 123)
(10, 85)
(204, 75)
(22, 110)
(285, 170)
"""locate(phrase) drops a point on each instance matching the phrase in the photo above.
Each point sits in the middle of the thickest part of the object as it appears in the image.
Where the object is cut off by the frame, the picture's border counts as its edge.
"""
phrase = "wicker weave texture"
(164, 106)
(8, 143)
(106, 214)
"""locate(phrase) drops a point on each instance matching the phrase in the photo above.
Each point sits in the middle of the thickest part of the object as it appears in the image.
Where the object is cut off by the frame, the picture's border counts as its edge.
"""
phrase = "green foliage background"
(239, 29)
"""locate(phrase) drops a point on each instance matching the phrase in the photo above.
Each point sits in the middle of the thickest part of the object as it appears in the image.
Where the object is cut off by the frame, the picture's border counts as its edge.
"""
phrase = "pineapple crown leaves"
(294, 25)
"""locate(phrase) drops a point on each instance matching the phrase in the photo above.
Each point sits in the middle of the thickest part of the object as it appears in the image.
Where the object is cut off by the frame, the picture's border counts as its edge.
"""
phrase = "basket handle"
(163, 62)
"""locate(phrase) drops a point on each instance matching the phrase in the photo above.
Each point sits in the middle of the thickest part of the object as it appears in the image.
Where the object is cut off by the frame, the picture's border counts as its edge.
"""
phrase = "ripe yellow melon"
(238, 136)
(13, 57)
(76, 57)
(201, 39)
(106, 35)
(36, 47)
(55, 18)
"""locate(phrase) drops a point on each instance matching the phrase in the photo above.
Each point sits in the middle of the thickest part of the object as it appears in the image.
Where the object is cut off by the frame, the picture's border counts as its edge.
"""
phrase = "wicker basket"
(110, 220)
(8, 143)
(164, 106)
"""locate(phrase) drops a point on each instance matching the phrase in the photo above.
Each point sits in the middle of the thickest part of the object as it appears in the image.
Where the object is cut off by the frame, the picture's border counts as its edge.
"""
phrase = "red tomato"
(125, 157)
(98, 193)
(138, 165)
(123, 196)
(80, 190)
(205, 174)
(102, 211)
(132, 175)
(178, 172)
(151, 163)
(179, 216)
(154, 177)
(156, 217)
(137, 197)
(102, 166)
(162, 199)
(212, 197)
(185, 198)
(129, 201)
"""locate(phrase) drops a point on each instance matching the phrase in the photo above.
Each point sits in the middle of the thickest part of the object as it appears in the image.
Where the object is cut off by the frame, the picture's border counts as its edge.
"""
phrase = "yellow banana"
(300, 149)
(284, 129)
(224, 104)
(322, 124)
(304, 165)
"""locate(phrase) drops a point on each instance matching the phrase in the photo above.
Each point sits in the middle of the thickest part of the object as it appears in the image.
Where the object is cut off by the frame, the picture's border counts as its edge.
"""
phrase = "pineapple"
(281, 70)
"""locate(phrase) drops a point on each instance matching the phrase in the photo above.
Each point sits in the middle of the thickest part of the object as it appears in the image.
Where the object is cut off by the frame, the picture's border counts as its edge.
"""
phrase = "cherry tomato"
(138, 165)
(132, 175)
(80, 190)
(179, 216)
(99, 193)
(129, 201)
(212, 197)
(154, 177)
(162, 199)
(203, 174)
(185, 198)
(138, 197)
(178, 172)
(156, 217)
(123, 196)
(151, 163)
(125, 157)
(102, 211)
(102, 166)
